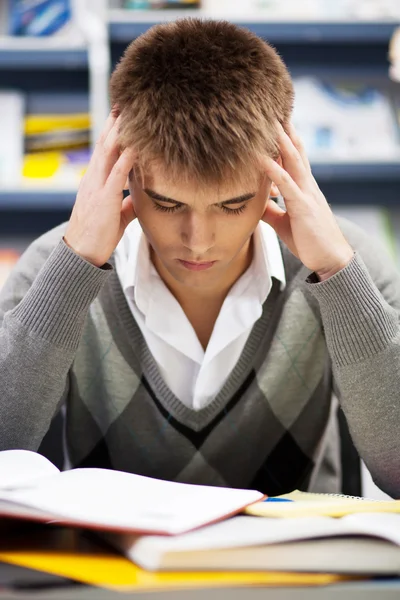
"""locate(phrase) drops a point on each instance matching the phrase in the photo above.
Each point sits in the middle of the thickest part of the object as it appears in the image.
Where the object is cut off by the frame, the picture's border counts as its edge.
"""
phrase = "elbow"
(387, 480)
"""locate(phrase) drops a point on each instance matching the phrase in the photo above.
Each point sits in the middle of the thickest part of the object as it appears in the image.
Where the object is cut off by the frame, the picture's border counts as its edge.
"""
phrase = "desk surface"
(384, 590)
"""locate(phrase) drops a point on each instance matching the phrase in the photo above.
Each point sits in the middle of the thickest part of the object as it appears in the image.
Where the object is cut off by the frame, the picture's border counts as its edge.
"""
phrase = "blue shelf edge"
(37, 199)
(43, 59)
(282, 32)
(372, 172)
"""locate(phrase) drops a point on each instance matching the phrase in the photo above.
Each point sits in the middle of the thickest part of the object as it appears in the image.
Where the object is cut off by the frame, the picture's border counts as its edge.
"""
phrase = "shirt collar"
(271, 252)
(127, 254)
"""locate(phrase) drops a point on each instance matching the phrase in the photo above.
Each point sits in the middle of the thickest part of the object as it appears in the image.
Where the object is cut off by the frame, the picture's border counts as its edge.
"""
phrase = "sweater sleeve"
(360, 308)
(43, 306)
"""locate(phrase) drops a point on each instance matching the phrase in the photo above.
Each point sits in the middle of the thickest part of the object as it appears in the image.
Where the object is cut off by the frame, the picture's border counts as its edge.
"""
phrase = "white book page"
(242, 531)
(384, 525)
(22, 468)
(114, 499)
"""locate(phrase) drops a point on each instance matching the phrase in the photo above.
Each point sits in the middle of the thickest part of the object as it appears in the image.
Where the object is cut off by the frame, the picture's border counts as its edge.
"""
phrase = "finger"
(115, 110)
(106, 154)
(298, 144)
(111, 141)
(109, 124)
(279, 220)
(288, 188)
(98, 149)
(116, 180)
(292, 160)
(272, 213)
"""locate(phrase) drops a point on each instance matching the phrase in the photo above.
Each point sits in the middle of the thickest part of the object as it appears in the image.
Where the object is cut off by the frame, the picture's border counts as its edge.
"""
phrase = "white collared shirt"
(195, 376)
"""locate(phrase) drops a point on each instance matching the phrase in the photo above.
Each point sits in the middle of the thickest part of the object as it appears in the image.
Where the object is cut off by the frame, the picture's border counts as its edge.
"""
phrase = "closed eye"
(167, 209)
(176, 207)
(234, 211)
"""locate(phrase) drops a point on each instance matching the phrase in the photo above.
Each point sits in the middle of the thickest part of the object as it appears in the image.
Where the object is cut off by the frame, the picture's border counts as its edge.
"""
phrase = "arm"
(42, 310)
(359, 302)
(44, 304)
(360, 308)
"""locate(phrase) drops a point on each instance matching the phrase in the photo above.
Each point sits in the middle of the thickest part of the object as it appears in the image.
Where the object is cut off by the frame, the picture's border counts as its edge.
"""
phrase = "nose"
(198, 234)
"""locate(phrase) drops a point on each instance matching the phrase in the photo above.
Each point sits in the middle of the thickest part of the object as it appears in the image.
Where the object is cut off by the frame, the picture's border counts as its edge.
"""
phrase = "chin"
(194, 278)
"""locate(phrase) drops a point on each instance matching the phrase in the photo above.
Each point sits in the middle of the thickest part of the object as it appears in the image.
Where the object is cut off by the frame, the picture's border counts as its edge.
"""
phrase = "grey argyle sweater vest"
(263, 430)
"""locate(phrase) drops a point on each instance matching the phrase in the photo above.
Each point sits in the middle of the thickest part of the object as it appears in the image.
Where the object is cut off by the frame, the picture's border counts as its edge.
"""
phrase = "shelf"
(127, 25)
(366, 171)
(37, 199)
(340, 174)
(39, 53)
(374, 74)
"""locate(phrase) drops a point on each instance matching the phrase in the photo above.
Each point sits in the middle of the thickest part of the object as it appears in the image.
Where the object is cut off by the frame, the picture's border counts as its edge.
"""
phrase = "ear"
(274, 192)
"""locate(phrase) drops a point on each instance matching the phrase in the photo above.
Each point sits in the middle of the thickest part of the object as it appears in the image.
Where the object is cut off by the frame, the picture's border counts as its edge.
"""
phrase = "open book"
(32, 487)
(358, 543)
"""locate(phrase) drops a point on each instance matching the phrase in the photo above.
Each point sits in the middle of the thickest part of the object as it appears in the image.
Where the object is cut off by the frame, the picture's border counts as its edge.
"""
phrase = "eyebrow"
(161, 198)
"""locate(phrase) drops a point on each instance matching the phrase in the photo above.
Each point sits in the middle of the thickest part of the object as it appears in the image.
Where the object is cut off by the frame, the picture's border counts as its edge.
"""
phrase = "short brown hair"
(201, 98)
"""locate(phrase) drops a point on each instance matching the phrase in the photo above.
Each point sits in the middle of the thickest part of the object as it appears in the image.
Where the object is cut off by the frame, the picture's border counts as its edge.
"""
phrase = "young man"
(184, 340)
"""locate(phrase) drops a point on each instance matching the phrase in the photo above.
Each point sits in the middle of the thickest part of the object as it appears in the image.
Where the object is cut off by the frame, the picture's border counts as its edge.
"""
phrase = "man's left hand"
(307, 227)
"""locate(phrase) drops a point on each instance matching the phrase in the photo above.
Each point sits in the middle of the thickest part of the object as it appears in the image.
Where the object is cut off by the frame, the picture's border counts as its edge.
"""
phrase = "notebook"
(355, 544)
(304, 504)
(31, 487)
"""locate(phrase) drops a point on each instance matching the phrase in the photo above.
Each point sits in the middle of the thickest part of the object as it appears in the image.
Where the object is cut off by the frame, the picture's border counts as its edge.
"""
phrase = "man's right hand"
(101, 214)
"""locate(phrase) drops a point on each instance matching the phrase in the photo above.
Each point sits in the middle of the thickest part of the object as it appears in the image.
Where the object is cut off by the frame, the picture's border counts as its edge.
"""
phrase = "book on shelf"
(57, 148)
(350, 121)
(160, 4)
(39, 18)
(12, 110)
(8, 258)
(11, 249)
(42, 144)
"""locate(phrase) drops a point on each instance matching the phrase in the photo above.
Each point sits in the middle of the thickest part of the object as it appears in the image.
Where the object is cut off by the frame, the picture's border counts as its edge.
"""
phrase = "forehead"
(189, 190)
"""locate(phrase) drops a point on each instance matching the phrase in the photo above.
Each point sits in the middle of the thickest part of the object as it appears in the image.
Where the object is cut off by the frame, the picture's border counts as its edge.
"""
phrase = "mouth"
(196, 266)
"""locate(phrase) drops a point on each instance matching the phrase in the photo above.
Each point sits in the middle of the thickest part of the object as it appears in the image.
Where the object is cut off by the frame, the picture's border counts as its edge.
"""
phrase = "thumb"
(273, 214)
(127, 211)
(279, 220)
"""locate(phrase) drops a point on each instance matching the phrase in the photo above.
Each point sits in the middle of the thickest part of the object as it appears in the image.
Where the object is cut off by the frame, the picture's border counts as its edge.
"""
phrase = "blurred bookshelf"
(316, 41)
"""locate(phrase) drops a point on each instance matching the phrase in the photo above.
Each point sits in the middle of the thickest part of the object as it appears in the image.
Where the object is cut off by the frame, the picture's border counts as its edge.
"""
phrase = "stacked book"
(187, 533)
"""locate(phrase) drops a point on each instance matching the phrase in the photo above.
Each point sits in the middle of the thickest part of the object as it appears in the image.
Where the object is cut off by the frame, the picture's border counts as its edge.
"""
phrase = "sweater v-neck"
(195, 419)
